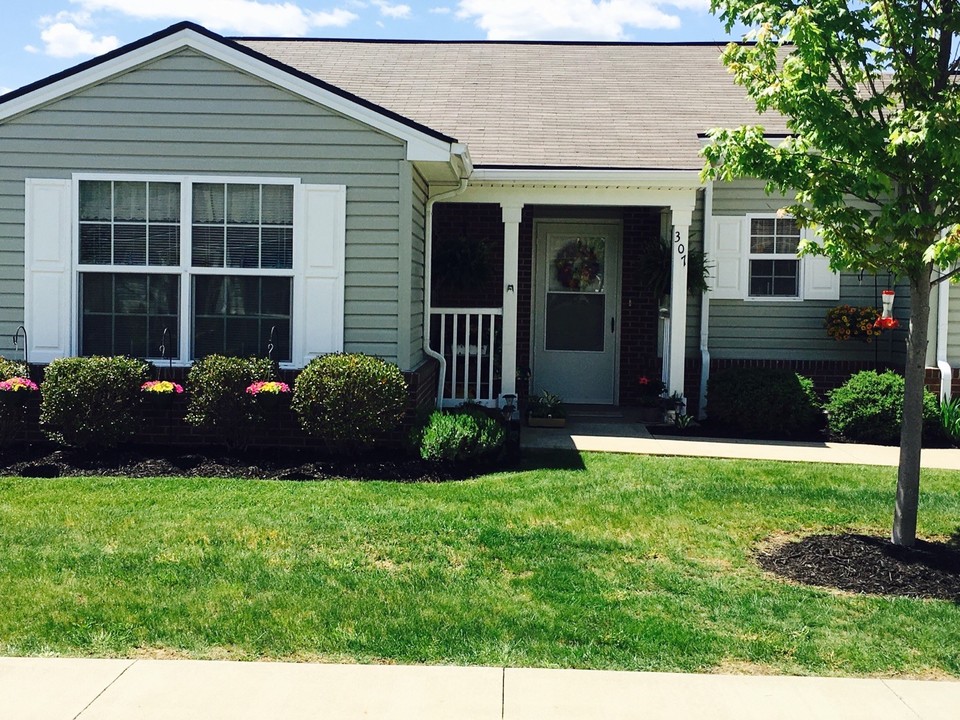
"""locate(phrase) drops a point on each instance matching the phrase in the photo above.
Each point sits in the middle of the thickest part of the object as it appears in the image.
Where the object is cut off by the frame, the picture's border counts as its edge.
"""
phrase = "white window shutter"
(819, 281)
(320, 241)
(48, 277)
(727, 258)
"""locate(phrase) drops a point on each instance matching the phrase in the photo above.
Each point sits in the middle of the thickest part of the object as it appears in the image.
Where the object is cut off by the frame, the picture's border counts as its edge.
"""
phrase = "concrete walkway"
(615, 435)
(69, 689)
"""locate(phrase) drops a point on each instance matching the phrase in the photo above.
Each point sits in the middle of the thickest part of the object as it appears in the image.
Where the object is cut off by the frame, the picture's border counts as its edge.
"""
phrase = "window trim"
(748, 256)
(184, 356)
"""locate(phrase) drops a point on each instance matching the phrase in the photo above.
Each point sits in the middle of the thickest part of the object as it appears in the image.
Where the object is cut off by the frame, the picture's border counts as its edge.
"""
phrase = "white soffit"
(675, 188)
(673, 179)
(420, 145)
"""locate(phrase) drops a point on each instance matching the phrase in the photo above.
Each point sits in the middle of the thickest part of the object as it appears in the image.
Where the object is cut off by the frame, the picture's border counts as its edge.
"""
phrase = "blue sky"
(41, 37)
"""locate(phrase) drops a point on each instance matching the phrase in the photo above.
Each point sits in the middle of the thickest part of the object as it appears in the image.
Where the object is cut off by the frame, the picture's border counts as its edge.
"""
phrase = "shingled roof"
(527, 104)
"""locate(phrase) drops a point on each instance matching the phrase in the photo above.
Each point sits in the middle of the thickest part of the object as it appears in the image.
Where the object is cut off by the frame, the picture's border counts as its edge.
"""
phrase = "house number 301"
(681, 248)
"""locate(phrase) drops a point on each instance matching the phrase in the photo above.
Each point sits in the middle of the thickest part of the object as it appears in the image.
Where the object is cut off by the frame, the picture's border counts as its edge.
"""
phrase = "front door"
(576, 310)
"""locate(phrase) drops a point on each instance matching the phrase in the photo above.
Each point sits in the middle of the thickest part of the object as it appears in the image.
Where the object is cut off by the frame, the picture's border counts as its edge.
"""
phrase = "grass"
(620, 562)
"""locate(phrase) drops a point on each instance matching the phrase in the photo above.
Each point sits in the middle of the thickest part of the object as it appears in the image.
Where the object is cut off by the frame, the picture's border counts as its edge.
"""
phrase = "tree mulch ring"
(868, 565)
(138, 462)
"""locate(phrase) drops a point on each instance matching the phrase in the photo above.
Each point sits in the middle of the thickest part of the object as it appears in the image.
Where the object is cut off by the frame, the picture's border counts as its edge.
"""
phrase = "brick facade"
(639, 321)
(640, 308)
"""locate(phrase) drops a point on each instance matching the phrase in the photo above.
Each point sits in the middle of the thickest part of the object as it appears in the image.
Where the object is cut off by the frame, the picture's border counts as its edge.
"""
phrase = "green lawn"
(620, 562)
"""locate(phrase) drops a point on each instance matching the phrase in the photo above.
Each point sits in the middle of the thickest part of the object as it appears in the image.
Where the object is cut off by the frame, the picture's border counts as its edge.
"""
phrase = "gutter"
(428, 278)
(705, 304)
(943, 317)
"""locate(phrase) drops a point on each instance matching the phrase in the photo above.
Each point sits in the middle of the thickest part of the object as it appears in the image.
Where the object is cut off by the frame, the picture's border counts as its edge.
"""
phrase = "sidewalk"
(632, 437)
(69, 689)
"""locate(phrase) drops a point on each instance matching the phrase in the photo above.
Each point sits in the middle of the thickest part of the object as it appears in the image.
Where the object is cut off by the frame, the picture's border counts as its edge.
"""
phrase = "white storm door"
(576, 310)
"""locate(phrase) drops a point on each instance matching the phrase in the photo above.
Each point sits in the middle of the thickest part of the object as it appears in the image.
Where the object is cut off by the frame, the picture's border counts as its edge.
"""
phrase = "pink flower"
(18, 384)
(272, 387)
(162, 387)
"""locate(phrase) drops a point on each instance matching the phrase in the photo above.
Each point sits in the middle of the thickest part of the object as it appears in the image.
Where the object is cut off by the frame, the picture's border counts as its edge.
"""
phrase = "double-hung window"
(186, 267)
(774, 268)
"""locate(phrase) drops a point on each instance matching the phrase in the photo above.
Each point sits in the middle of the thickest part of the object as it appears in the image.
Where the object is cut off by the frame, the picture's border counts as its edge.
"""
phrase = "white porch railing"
(470, 341)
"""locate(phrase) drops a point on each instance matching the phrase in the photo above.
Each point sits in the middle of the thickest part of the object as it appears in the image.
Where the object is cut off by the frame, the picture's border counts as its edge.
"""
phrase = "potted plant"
(546, 410)
(15, 392)
(672, 406)
(650, 402)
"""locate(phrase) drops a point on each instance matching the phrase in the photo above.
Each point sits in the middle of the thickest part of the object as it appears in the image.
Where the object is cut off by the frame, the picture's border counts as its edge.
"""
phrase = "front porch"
(502, 323)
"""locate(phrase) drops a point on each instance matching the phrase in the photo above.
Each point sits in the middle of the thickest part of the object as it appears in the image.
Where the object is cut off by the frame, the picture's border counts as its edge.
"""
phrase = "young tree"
(871, 96)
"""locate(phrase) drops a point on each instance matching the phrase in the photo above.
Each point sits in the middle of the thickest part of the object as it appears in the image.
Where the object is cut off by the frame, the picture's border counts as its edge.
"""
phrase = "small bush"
(768, 402)
(92, 401)
(218, 399)
(459, 436)
(11, 368)
(346, 400)
(868, 408)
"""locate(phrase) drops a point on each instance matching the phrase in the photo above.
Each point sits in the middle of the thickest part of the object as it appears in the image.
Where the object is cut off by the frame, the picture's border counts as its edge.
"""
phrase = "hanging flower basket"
(162, 387)
(846, 322)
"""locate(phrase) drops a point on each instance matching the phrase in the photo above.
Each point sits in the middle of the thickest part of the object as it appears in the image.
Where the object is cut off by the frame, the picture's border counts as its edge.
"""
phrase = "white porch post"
(680, 240)
(511, 257)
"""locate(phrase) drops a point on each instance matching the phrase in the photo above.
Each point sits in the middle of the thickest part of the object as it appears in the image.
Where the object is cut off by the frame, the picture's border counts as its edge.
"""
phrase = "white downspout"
(705, 303)
(428, 279)
(943, 317)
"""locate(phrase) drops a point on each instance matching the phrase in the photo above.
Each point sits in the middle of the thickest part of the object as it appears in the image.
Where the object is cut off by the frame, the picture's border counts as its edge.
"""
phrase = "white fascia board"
(679, 179)
(420, 146)
(665, 188)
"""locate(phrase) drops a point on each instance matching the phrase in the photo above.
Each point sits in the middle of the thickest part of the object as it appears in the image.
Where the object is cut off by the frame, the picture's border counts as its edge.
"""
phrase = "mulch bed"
(868, 565)
(49, 461)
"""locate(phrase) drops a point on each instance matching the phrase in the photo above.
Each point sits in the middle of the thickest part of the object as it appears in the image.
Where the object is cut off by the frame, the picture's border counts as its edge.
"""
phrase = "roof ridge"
(408, 41)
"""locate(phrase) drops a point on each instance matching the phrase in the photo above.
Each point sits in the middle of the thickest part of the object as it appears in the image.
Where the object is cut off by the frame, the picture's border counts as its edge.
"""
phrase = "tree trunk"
(911, 432)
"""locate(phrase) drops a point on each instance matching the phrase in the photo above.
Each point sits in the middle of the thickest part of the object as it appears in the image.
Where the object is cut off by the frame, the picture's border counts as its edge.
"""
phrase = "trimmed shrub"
(347, 399)
(11, 368)
(217, 395)
(92, 401)
(767, 402)
(459, 436)
(868, 408)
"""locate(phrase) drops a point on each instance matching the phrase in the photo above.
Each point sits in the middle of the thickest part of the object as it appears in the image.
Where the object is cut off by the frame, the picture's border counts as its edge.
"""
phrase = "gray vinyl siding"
(953, 327)
(192, 115)
(693, 300)
(418, 240)
(794, 330)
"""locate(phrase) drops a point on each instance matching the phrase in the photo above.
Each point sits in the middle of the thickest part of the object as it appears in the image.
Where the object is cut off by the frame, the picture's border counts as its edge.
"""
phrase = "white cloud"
(5, 90)
(333, 18)
(243, 16)
(31, 49)
(393, 11)
(66, 40)
(440, 10)
(571, 19)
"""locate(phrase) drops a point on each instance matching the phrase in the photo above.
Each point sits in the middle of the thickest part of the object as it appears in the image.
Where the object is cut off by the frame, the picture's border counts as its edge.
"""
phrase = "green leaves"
(874, 154)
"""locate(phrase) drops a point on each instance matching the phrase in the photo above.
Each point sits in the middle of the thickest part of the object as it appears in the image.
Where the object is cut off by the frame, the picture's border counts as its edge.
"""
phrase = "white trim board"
(419, 145)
